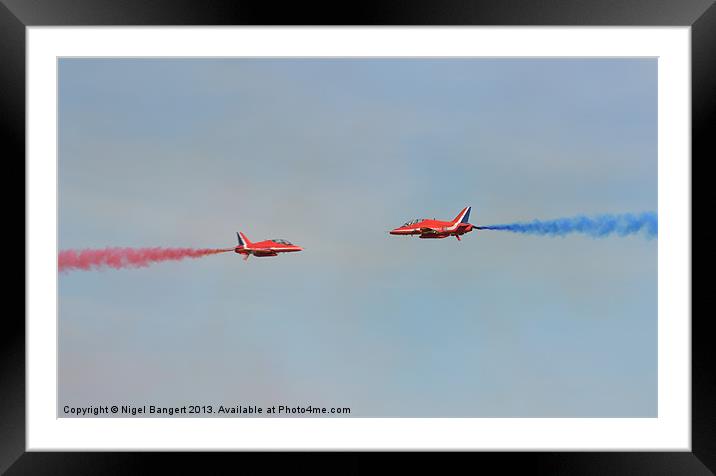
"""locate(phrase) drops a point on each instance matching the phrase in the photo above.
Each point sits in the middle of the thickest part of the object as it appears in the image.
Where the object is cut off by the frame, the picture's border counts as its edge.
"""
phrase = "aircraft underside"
(258, 254)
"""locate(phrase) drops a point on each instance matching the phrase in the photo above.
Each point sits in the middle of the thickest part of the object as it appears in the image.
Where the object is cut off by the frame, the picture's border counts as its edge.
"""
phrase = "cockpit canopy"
(417, 220)
(283, 242)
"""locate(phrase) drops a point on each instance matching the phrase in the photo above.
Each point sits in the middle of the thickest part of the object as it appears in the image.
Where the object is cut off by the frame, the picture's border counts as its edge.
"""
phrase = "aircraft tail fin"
(463, 216)
(243, 241)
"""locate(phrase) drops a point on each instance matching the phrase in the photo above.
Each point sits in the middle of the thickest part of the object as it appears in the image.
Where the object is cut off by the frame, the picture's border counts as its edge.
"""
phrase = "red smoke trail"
(118, 258)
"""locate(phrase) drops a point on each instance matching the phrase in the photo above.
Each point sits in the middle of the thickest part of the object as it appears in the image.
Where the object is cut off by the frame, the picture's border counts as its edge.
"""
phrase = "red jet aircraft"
(432, 228)
(263, 248)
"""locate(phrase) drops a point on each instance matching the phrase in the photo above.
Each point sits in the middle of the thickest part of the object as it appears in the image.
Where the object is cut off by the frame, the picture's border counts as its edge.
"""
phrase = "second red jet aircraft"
(263, 248)
(432, 228)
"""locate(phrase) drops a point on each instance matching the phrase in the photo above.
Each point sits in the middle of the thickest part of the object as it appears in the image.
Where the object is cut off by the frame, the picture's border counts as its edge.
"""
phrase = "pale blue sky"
(330, 154)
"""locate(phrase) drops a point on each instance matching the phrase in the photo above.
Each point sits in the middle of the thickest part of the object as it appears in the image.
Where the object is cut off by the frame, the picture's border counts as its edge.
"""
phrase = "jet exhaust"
(599, 226)
(119, 258)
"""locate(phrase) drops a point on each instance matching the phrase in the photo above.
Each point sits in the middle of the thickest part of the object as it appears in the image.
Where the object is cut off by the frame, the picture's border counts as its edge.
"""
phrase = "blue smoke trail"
(597, 227)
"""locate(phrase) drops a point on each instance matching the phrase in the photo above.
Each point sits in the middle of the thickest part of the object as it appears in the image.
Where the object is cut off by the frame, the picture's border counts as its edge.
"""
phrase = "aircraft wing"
(264, 253)
(428, 230)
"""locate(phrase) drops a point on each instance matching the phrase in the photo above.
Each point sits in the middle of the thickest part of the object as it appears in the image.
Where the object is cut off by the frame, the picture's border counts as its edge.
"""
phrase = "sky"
(331, 154)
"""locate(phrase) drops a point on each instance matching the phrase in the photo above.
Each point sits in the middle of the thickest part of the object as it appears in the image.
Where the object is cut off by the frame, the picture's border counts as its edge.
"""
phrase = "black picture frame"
(16, 15)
